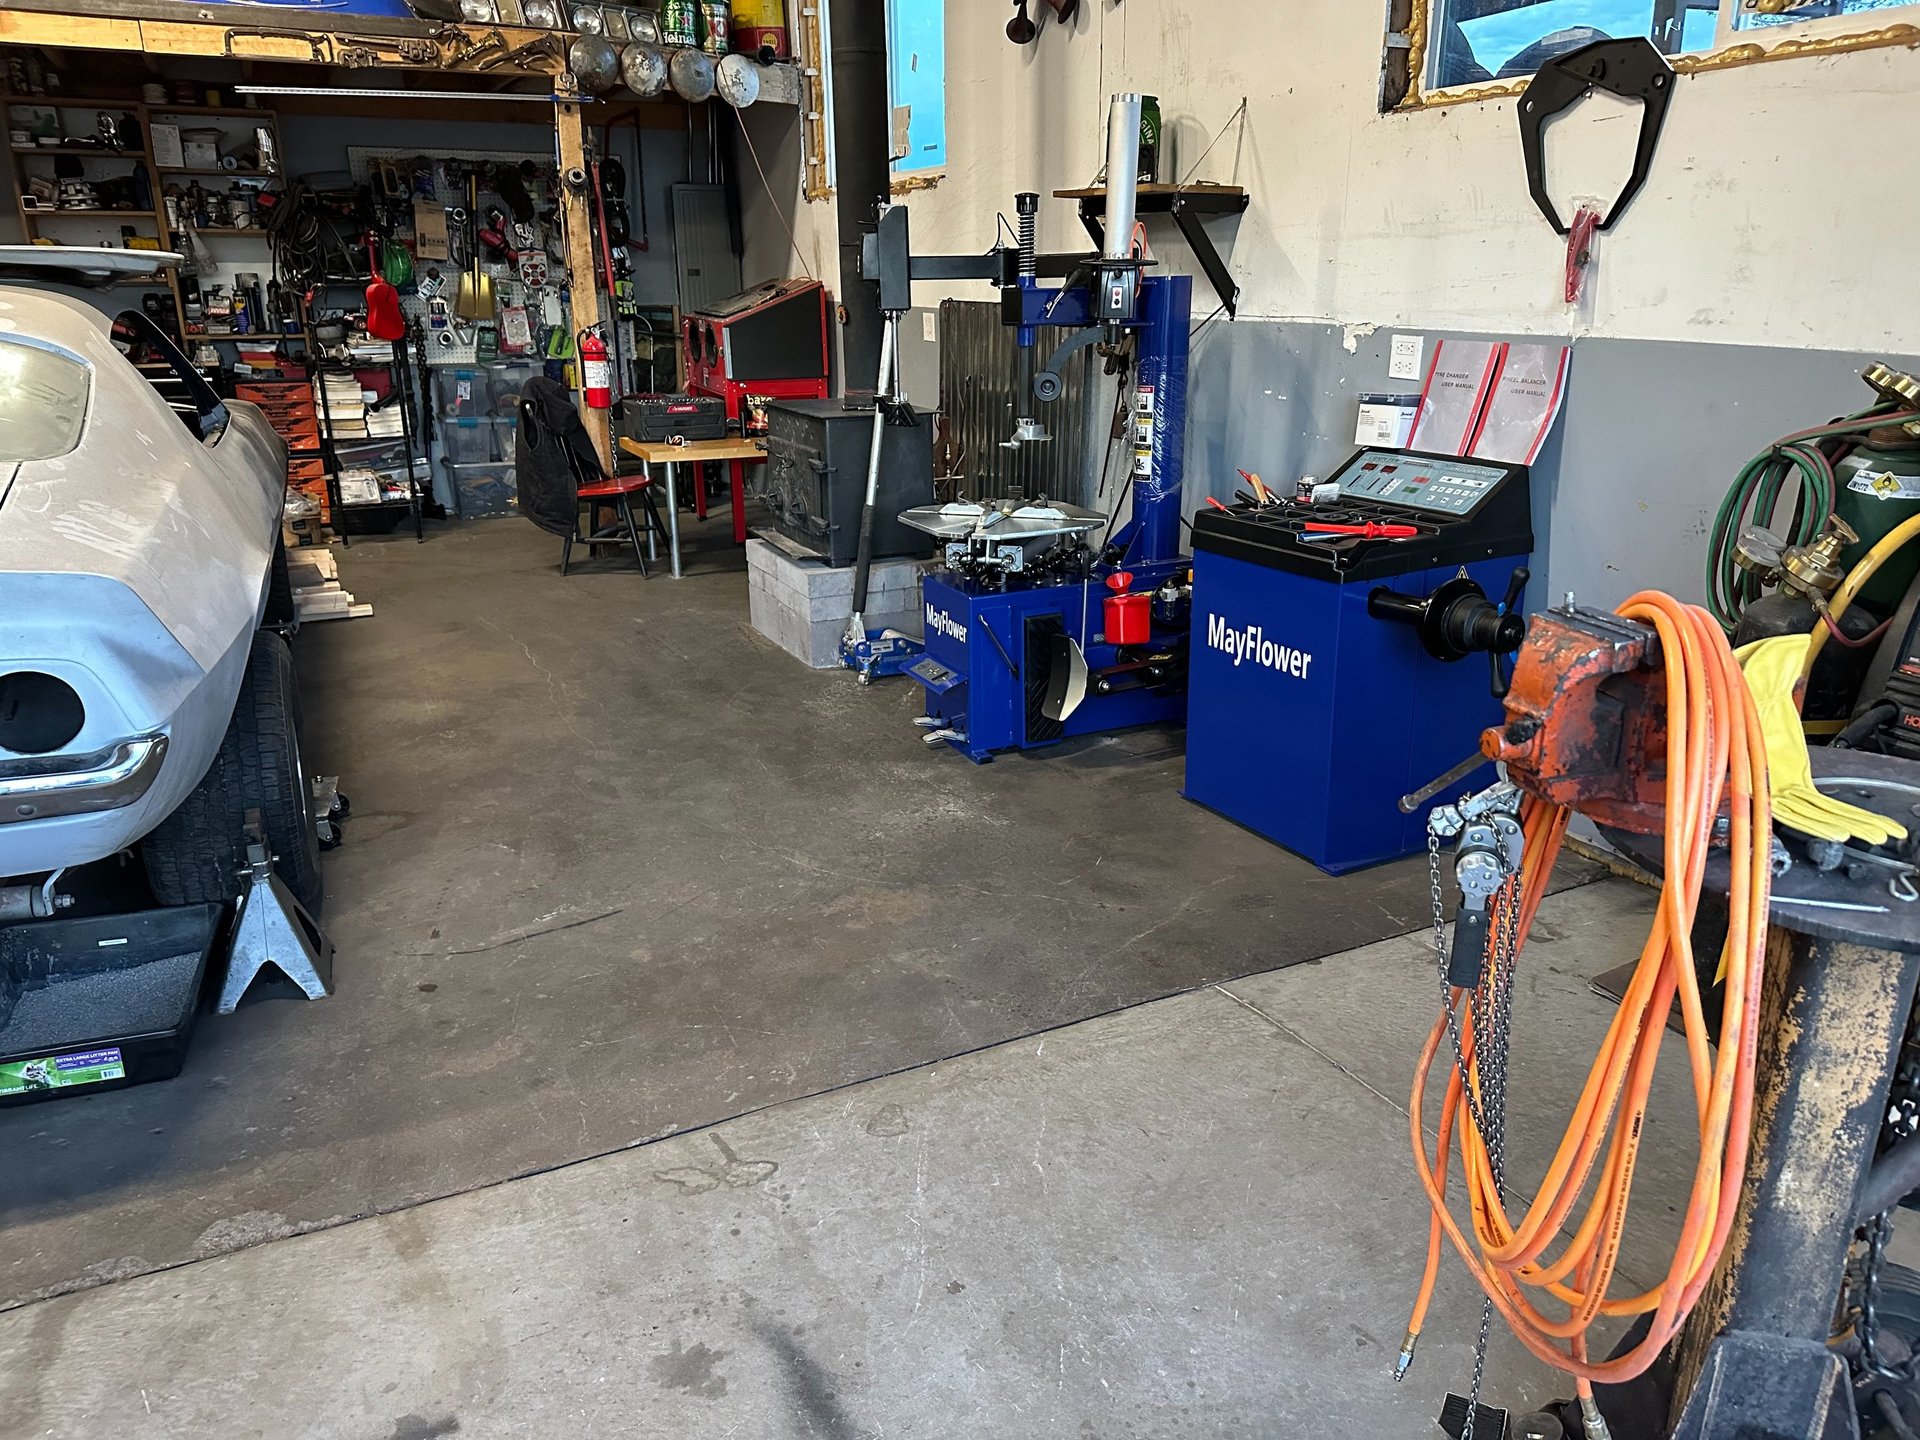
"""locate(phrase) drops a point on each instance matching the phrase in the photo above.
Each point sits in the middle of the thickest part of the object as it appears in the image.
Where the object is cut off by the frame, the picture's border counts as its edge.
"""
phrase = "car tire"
(198, 852)
(281, 612)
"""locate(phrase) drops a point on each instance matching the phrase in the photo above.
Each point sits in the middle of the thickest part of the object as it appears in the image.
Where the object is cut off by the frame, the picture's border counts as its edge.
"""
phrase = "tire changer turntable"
(1032, 634)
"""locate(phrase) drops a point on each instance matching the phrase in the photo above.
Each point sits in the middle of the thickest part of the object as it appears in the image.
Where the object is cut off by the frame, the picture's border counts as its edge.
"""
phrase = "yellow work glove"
(1772, 668)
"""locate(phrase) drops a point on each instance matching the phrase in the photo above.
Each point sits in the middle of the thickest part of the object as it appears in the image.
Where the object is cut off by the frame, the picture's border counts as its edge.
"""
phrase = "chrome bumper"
(80, 784)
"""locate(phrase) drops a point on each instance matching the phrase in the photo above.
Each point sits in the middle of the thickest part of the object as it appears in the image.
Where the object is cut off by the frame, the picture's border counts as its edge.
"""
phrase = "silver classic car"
(146, 699)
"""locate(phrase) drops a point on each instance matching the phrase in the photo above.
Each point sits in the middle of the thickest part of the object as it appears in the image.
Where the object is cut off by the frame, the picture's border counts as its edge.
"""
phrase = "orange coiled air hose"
(1715, 753)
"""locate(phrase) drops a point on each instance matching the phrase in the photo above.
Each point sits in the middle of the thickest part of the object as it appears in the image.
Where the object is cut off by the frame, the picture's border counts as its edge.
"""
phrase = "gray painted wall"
(1652, 434)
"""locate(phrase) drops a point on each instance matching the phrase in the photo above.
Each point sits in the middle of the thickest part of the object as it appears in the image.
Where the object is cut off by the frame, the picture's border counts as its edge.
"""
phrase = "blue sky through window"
(918, 58)
(1496, 39)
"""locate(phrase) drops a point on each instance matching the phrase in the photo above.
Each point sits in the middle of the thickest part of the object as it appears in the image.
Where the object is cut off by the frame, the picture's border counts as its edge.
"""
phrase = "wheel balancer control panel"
(1398, 512)
(1437, 484)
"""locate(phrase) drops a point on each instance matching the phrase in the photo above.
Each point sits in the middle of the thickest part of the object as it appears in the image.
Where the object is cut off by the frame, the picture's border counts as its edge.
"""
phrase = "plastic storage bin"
(483, 489)
(504, 381)
(460, 392)
(469, 442)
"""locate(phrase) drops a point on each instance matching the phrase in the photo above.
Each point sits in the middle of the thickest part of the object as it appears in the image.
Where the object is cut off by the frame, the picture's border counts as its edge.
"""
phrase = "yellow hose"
(1857, 580)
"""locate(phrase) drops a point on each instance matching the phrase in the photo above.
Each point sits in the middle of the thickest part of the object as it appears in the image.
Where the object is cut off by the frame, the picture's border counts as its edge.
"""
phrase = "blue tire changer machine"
(1032, 635)
(1316, 706)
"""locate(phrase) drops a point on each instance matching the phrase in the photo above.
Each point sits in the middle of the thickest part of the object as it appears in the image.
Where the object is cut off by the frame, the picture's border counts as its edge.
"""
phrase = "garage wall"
(1756, 226)
(318, 143)
(1734, 301)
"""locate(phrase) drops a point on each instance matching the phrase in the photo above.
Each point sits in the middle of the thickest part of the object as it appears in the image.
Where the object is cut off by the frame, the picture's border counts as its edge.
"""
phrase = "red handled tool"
(1372, 530)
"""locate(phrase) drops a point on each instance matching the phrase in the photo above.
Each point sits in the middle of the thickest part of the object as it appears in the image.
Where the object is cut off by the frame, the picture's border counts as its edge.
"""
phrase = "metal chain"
(1446, 990)
(1439, 897)
(1491, 1049)
(1879, 1231)
(1492, 1014)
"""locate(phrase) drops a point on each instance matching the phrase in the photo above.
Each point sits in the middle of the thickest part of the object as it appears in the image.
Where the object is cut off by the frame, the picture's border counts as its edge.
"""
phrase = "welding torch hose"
(1806, 457)
(1715, 751)
(1889, 545)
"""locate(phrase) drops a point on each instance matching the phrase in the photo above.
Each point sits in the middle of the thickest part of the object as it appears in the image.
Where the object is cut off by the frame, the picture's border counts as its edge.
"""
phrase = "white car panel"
(135, 567)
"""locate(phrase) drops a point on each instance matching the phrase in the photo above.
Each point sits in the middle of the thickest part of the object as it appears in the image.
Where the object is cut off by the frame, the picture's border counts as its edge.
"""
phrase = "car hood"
(188, 528)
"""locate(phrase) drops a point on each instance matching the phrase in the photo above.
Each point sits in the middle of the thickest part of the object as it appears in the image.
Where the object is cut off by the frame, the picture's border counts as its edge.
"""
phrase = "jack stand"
(273, 928)
(877, 654)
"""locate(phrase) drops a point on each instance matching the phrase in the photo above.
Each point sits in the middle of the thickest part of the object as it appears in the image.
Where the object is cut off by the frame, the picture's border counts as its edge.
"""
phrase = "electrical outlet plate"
(1405, 356)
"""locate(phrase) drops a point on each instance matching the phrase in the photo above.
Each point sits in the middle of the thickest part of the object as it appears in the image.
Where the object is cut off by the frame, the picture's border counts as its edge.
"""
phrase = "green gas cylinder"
(1878, 489)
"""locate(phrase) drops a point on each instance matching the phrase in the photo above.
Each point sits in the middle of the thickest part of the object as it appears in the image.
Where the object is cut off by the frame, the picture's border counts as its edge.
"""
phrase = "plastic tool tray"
(100, 1001)
(1465, 510)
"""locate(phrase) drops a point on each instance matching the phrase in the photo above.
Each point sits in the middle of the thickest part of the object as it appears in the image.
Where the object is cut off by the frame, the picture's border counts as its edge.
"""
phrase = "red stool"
(618, 492)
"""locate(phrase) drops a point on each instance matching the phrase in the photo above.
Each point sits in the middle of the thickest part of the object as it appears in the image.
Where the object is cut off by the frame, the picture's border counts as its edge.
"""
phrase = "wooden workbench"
(671, 457)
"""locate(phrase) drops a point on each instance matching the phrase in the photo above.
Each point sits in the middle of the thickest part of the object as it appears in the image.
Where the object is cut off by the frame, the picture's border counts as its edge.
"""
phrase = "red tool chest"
(766, 343)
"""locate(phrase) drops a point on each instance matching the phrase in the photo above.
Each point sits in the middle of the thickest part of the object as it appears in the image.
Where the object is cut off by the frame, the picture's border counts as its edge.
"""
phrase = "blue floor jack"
(1037, 630)
(878, 654)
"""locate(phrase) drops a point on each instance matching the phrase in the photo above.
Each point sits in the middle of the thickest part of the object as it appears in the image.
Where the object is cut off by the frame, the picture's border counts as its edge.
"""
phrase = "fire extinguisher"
(596, 373)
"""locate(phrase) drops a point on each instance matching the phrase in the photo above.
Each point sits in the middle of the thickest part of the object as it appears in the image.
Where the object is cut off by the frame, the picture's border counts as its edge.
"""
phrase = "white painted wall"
(1774, 214)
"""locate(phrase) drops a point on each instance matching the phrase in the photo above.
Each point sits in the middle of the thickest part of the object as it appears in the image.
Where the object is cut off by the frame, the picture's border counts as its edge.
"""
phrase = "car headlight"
(543, 14)
(39, 713)
(588, 20)
(480, 12)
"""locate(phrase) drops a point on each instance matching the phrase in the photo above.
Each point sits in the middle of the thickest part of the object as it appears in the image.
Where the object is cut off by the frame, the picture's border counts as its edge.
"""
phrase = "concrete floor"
(1196, 1217)
(620, 868)
(715, 1059)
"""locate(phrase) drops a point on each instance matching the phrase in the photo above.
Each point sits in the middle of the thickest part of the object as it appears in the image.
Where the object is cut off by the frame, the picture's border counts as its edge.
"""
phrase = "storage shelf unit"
(77, 115)
(46, 212)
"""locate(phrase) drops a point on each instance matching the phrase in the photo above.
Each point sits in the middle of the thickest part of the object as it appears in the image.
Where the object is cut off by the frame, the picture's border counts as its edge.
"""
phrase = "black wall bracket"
(1190, 206)
(1632, 69)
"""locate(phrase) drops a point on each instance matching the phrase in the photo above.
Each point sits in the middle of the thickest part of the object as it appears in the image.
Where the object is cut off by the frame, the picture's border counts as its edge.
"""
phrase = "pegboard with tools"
(473, 243)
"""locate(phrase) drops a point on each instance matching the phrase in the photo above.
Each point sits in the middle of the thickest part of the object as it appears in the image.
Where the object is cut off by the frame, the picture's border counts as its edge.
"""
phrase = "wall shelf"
(33, 218)
(258, 112)
(39, 212)
(79, 152)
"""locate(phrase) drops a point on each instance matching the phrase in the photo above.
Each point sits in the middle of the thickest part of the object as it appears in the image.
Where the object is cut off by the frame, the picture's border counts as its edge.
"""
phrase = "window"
(43, 401)
(1479, 43)
(916, 76)
(917, 64)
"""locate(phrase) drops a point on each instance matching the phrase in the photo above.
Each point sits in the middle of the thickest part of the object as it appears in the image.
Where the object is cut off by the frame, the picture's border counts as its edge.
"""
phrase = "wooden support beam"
(582, 291)
(80, 32)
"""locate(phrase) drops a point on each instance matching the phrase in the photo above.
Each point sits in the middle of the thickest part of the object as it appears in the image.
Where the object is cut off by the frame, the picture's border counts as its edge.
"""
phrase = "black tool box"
(653, 419)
